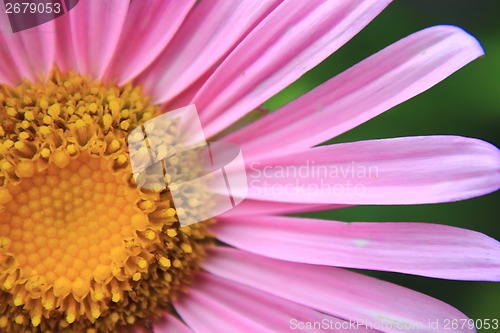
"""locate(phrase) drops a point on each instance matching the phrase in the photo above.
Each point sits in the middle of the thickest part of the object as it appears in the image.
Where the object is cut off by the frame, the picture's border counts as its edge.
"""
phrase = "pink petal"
(335, 291)
(31, 52)
(256, 207)
(393, 75)
(147, 30)
(209, 33)
(185, 97)
(411, 170)
(96, 27)
(66, 55)
(414, 248)
(8, 69)
(170, 324)
(294, 38)
(214, 304)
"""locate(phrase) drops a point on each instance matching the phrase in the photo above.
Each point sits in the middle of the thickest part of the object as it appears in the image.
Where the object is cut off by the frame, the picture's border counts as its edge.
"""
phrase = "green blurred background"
(467, 104)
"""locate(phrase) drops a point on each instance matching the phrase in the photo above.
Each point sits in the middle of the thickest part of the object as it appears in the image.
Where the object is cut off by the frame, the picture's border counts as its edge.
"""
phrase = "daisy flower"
(83, 249)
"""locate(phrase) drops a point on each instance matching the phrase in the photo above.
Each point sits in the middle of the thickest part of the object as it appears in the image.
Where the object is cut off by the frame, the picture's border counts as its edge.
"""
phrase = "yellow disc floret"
(82, 248)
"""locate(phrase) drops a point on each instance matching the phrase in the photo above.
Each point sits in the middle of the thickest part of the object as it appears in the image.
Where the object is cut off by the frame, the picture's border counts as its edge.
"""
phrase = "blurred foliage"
(466, 104)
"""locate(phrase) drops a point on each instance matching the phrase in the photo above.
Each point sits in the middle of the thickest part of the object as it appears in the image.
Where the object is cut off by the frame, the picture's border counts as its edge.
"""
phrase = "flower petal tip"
(464, 38)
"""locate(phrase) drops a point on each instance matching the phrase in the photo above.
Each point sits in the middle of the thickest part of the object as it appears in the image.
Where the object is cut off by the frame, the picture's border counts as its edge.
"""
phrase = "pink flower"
(276, 273)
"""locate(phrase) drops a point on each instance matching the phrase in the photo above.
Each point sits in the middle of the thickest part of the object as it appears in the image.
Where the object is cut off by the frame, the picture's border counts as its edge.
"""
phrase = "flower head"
(82, 245)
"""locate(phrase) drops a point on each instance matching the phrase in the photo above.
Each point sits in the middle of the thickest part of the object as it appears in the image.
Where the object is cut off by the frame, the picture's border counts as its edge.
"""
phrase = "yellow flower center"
(82, 248)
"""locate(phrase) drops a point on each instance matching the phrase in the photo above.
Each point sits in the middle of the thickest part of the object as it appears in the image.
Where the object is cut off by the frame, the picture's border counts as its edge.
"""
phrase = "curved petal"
(411, 170)
(209, 33)
(388, 78)
(146, 32)
(66, 54)
(95, 29)
(294, 38)
(414, 248)
(214, 304)
(32, 53)
(8, 69)
(336, 292)
(256, 207)
(170, 324)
